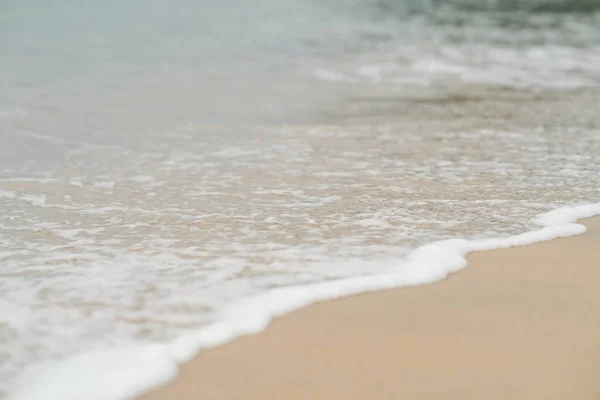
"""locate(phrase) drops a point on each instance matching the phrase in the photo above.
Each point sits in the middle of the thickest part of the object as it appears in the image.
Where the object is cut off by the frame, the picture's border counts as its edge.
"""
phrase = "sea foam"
(127, 372)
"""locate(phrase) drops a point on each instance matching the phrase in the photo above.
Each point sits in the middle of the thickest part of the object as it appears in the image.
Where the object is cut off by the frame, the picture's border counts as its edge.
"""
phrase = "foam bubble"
(332, 76)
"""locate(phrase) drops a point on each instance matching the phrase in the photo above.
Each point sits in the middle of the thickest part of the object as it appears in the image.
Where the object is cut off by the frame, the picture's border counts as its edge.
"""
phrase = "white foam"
(38, 136)
(332, 76)
(125, 373)
(7, 195)
(112, 374)
(36, 200)
(142, 179)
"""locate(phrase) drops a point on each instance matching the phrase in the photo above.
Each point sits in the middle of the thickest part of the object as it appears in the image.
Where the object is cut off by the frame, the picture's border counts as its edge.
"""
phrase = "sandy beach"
(177, 183)
(518, 323)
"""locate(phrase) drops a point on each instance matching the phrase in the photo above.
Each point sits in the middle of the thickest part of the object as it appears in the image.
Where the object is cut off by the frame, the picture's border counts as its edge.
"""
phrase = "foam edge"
(129, 372)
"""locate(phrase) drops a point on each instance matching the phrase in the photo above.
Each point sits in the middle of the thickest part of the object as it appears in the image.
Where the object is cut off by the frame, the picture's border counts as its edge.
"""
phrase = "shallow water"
(153, 172)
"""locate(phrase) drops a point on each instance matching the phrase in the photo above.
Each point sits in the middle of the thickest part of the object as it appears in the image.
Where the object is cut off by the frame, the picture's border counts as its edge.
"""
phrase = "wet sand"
(518, 323)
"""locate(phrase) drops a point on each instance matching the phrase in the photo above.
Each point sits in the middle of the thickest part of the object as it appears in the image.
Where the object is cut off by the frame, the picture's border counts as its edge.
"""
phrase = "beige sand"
(520, 323)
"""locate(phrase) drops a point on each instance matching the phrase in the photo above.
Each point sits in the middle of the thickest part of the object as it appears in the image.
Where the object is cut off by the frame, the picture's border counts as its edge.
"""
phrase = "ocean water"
(163, 162)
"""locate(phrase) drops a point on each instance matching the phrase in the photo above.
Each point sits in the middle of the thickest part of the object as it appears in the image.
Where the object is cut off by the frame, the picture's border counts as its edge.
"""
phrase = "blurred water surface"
(160, 160)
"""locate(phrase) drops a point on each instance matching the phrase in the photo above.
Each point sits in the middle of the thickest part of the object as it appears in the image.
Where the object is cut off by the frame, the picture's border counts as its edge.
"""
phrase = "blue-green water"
(219, 50)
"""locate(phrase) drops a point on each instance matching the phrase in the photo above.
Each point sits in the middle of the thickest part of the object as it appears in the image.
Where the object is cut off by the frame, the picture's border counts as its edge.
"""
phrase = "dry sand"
(519, 323)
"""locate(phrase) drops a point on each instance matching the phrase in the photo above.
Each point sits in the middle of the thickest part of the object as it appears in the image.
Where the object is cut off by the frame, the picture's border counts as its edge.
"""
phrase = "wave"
(127, 372)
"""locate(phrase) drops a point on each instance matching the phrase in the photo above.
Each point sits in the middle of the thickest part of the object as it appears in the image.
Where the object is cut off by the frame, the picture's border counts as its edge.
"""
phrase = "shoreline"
(521, 322)
(132, 371)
